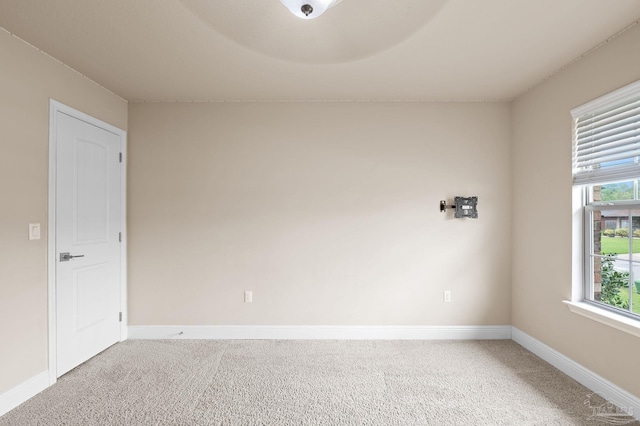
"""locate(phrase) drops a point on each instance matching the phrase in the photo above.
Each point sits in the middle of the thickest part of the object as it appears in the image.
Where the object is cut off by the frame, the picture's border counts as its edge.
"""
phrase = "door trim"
(54, 108)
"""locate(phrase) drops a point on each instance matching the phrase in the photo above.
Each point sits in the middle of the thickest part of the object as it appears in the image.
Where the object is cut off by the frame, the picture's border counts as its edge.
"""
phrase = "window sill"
(622, 323)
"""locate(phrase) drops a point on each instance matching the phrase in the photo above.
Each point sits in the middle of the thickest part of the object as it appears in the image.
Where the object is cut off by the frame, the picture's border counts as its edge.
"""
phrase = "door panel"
(89, 292)
(92, 193)
(88, 216)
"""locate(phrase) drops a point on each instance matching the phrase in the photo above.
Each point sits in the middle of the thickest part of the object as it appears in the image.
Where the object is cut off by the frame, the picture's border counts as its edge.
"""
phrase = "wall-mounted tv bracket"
(464, 207)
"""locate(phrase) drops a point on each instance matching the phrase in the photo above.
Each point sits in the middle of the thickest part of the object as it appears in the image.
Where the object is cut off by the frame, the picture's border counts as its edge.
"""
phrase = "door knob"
(65, 257)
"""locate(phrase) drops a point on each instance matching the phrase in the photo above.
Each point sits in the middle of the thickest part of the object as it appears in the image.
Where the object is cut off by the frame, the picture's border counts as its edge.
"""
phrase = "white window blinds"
(606, 138)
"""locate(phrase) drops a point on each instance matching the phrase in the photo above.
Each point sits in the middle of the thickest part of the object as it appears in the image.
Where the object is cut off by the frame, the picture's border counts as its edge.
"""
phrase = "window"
(612, 255)
(606, 167)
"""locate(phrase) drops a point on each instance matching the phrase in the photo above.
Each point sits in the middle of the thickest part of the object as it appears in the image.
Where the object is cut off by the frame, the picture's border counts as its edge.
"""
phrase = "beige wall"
(328, 212)
(542, 212)
(28, 79)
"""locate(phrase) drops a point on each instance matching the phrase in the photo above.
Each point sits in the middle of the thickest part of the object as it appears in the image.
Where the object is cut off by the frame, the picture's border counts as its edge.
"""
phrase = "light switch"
(34, 231)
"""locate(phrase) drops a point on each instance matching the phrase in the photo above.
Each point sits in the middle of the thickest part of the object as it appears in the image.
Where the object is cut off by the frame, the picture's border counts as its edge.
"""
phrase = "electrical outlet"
(447, 296)
(248, 297)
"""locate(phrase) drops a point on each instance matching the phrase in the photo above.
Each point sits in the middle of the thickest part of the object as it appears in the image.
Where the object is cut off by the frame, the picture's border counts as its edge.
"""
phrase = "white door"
(88, 226)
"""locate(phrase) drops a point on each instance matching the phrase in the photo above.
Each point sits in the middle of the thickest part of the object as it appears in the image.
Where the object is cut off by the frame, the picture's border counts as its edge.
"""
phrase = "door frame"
(54, 108)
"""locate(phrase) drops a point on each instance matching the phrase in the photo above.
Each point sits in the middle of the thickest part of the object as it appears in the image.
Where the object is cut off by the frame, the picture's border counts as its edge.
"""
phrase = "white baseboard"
(611, 392)
(501, 332)
(16, 396)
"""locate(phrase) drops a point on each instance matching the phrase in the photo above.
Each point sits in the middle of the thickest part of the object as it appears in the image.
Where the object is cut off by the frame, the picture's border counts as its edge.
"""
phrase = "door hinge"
(120, 157)
(120, 237)
(120, 317)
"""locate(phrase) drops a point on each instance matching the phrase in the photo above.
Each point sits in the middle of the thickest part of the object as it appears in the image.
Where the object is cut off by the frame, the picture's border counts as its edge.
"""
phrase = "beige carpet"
(184, 382)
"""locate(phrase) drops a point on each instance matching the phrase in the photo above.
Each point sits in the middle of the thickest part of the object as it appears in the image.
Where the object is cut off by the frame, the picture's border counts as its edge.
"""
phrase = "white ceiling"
(216, 50)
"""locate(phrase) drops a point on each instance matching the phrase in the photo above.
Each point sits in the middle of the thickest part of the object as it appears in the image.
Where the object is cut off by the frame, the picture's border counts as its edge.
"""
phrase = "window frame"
(582, 226)
(588, 249)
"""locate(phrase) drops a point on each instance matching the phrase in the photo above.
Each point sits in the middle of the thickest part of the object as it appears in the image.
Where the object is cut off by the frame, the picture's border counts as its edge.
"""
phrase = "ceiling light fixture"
(309, 9)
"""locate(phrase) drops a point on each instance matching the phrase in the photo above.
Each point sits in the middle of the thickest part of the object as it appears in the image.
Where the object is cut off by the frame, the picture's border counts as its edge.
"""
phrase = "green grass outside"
(618, 245)
(624, 295)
